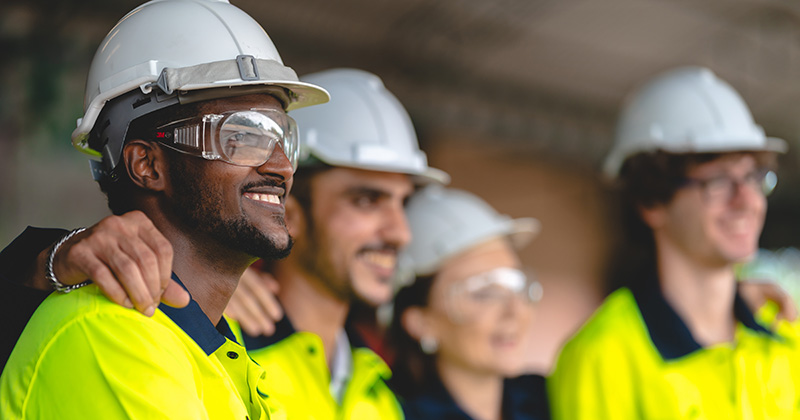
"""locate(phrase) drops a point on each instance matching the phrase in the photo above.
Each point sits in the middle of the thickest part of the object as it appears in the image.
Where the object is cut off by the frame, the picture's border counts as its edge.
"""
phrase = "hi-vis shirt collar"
(194, 322)
(284, 329)
(669, 333)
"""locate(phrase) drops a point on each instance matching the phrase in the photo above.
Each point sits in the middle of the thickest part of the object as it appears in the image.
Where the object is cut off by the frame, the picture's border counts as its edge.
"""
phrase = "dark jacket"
(17, 301)
(524, 398)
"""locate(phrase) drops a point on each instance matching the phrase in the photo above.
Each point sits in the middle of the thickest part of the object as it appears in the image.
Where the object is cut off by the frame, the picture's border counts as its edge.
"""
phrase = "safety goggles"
(491, 292)
(242, 138)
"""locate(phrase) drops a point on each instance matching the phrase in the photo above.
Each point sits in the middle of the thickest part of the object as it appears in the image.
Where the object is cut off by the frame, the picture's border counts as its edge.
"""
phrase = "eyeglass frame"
(765, 177)
(165, 135)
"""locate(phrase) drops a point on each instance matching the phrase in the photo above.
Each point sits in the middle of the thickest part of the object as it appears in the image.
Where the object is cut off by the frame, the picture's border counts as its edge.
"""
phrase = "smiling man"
(192, 128)
(679, 342)
(359, 163)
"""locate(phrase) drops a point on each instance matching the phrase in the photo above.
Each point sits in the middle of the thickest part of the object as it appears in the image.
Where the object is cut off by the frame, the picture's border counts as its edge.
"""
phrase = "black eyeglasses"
(723, 187)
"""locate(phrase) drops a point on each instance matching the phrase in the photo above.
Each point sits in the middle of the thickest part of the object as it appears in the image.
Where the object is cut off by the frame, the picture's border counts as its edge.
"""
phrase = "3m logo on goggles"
(243, 138)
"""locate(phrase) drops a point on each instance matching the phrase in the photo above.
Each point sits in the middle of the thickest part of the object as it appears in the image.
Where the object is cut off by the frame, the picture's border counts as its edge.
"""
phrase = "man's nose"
(395, 229)
(278, 165)
(745, 191)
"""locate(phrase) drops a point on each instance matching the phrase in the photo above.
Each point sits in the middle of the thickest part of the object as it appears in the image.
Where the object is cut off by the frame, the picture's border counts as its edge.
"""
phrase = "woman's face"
(480, 309)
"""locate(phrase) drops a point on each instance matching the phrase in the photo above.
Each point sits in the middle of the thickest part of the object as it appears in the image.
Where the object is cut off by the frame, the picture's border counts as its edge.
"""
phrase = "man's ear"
(145, 162)
(653, 216)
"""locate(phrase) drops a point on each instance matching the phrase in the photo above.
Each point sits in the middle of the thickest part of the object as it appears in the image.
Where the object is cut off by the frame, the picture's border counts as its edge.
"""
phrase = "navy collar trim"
(194, 322)
(669, 334)
(743, 314)
(524, 398)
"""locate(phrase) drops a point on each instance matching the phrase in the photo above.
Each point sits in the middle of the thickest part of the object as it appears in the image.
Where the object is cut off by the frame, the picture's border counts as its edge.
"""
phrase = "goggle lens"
(243, 138)
(248, 138)
(491, 291)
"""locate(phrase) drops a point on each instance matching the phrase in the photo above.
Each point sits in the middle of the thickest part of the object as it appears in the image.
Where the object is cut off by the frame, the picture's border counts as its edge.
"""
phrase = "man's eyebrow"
(367, 190)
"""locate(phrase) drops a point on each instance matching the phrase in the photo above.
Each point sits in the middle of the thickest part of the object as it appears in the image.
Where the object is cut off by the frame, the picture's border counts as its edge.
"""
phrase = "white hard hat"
(364, 126)
(445, 222)
(182, 46)
(686, 110)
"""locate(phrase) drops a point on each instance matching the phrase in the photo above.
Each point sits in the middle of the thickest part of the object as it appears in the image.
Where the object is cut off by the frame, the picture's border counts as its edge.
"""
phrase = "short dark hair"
(301, 189)
(118, 186)
(301, 186)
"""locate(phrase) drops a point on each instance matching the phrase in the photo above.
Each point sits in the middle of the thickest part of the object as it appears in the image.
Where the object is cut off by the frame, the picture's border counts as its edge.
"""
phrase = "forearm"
(125, 256)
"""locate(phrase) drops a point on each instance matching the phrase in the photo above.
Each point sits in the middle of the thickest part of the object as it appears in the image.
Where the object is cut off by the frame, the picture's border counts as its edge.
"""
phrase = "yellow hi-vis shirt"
(298, 376)
(82, 356)
(636, 359)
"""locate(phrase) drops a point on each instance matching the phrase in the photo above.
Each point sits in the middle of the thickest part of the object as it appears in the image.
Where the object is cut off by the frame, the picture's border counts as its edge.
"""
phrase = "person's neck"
(208, 270)
(478, 394)
(702, 295)
(309, 305)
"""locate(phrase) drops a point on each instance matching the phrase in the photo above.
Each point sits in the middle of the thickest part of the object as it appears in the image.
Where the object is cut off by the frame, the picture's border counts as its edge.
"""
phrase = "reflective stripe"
(207, 75)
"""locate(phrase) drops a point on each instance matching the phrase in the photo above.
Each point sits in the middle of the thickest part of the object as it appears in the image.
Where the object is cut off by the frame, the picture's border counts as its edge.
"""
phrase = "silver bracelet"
(51, 276)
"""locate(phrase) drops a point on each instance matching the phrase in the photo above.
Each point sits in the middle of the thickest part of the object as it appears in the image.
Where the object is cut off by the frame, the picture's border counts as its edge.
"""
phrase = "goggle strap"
(188, 135)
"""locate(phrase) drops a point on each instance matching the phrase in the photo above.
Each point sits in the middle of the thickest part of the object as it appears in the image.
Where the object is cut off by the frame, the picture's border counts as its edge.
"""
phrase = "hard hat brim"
(520, 232)
(523, 230)
(431, 176)
(201, 77)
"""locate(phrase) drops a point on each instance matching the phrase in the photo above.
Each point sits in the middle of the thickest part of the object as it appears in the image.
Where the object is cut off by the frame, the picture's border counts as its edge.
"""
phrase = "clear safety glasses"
(243, 138)
(491, 292)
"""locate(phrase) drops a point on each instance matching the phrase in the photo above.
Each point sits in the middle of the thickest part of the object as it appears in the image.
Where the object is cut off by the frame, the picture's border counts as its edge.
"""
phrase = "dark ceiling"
(544, 77)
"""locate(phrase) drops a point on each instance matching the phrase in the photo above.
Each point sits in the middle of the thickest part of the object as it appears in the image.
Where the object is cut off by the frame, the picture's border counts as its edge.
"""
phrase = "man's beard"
(199, 209)
(315, 254)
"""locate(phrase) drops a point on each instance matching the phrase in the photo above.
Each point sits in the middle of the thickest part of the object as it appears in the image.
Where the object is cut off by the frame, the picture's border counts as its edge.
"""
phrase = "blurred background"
(517, 99)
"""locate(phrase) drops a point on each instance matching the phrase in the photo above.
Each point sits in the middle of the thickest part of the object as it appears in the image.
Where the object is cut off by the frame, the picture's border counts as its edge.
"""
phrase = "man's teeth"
(380, 259)
(267, 198)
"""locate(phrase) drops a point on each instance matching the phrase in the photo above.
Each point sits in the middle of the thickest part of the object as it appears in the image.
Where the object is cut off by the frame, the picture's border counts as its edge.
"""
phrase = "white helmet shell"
(364, 126)
(186, 45)
(686, 110)
(445, 222)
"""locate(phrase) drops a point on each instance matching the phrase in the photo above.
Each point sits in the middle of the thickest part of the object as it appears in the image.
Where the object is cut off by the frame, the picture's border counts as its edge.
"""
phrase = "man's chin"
(740, 256)
(280, 248)
(257, 243)
(375, 297)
